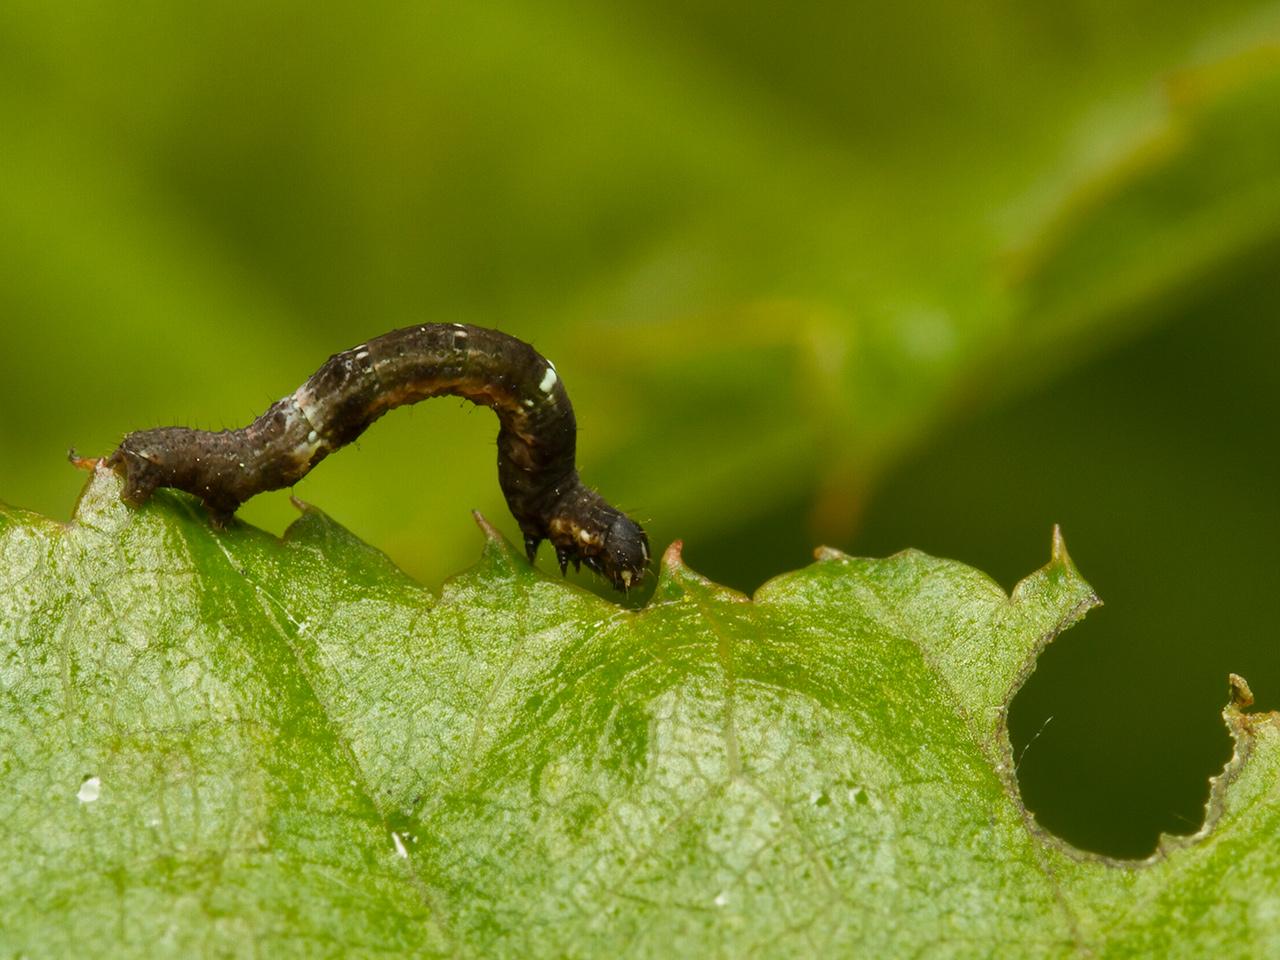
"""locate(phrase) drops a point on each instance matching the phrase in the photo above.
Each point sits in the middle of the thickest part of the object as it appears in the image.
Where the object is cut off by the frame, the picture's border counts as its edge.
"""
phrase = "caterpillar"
(537, 440)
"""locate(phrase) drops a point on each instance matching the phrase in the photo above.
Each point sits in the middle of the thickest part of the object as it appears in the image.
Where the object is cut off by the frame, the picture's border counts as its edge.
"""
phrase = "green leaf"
(221, 743)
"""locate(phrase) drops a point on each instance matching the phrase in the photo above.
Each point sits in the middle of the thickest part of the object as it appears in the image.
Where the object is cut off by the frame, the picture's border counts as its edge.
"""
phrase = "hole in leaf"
(1156, 460)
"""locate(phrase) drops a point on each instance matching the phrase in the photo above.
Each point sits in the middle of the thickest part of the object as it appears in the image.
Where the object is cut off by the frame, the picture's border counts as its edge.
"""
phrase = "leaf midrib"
(357, 772)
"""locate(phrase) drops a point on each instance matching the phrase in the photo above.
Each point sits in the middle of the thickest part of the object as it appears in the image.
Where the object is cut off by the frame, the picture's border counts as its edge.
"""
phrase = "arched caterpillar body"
(536, 443)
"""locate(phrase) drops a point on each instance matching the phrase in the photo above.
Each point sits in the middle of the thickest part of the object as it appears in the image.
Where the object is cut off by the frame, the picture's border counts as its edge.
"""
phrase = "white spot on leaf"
(90, 790)
(400, 848)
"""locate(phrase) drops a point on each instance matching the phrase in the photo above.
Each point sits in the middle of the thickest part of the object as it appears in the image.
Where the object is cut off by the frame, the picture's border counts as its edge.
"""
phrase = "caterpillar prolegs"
(536, 443)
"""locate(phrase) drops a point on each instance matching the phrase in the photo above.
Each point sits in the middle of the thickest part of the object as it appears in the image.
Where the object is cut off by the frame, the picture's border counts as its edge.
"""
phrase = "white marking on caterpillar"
(311, 411)
(548, 378)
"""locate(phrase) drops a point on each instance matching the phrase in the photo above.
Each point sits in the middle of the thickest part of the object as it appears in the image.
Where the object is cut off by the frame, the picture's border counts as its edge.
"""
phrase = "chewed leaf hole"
(1112, 779)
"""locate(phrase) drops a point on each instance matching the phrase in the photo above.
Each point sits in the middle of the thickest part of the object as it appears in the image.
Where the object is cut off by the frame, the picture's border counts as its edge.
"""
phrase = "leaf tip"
(490, 532)
(673, 557)
(1060, 570)
(1058, 555)
(499, 551)
(83, 463)
(100, 497)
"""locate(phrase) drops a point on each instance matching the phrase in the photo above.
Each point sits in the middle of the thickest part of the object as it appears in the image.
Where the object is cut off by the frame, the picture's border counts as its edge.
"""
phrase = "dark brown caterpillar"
(536, 444)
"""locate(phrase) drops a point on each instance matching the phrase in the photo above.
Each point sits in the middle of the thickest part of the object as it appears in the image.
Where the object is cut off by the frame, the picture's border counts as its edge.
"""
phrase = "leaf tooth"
(489, 530)
(498, 551)
(825, 554)
(1058, 552)
(677, 579)
(302, 506)
(1241, 695)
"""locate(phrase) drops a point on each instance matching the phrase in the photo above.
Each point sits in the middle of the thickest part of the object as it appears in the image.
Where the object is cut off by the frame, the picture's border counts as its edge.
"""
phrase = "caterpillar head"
(141, 468)
(589, 532)
(624, 555)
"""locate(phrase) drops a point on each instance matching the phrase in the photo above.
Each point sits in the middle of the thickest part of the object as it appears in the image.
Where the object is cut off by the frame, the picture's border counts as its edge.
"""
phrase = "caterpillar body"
(537, 439)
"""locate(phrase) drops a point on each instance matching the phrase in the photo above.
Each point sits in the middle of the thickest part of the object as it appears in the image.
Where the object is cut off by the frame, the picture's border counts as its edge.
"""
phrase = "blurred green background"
(934, 275)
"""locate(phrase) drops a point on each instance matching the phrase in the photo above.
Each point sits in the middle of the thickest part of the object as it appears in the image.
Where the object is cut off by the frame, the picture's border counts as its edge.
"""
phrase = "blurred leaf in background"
(777, 255)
